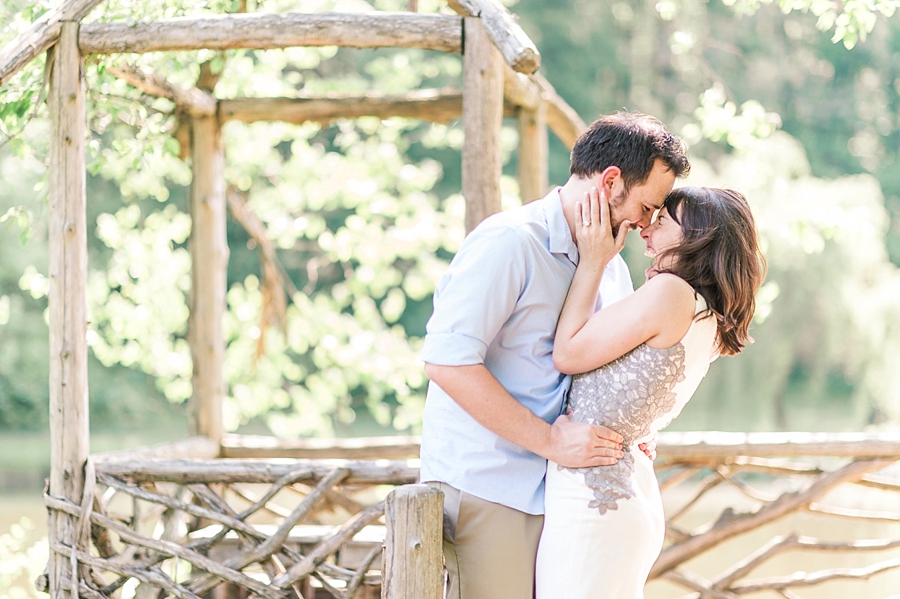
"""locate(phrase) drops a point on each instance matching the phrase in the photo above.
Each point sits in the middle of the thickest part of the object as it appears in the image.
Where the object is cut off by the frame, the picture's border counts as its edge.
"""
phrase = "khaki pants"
(489, 549)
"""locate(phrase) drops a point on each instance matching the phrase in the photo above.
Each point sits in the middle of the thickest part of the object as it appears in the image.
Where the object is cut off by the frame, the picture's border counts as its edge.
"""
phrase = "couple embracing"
(550, 375)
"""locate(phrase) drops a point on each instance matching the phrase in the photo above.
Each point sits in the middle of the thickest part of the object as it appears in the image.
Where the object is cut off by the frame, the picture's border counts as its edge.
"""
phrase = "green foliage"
(22, 218)
(364, 215)
(349, 209)
(358, 228)
(723, 82)
(718, 120)
(851, 20)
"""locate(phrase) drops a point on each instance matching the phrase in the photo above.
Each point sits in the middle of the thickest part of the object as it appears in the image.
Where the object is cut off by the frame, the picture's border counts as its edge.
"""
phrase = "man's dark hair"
(631, 141)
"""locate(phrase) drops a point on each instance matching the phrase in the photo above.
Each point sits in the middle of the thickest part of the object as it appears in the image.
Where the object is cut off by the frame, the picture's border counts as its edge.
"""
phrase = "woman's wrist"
(593, 263)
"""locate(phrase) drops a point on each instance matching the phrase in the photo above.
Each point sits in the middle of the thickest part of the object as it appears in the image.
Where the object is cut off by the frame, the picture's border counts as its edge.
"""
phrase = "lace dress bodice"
(636, 395)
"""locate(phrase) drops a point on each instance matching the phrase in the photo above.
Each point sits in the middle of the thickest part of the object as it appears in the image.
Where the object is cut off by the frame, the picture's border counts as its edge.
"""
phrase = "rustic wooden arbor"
(276, 519)
(499, 62)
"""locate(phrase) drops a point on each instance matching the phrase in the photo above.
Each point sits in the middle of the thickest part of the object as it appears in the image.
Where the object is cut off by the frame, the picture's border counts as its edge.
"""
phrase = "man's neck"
(570, 194)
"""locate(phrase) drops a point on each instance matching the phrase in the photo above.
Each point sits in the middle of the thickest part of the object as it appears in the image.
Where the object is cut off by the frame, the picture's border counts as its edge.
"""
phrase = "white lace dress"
(604, 526)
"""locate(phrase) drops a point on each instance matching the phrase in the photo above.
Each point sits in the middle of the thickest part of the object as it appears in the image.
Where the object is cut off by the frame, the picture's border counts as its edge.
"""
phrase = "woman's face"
(662, 234)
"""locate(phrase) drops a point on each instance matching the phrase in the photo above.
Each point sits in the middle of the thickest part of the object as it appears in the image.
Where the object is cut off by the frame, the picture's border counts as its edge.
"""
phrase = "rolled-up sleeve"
(475, 297)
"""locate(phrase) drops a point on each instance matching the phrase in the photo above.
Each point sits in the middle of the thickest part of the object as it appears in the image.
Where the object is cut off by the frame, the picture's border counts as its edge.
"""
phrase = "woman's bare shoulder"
(674, 305)
(670, 287)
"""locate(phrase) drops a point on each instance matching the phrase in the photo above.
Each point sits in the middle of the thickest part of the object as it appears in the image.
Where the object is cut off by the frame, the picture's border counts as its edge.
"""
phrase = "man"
(493, 410)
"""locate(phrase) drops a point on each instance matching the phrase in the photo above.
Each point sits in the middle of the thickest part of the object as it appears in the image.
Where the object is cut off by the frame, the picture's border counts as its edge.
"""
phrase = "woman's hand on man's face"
(593, 230)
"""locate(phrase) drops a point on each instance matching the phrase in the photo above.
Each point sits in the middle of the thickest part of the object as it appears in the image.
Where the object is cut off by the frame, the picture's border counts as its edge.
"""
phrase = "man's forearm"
(482, 396)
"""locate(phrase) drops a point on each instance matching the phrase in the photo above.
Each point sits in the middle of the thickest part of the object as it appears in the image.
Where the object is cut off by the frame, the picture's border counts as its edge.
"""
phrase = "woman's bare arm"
(659, 313)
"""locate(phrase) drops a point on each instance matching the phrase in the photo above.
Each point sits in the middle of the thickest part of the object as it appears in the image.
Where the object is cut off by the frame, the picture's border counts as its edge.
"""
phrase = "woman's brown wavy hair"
(719, 256)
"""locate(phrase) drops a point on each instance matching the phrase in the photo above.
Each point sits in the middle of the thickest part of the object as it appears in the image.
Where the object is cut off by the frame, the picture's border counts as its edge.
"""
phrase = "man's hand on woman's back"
(577, 445)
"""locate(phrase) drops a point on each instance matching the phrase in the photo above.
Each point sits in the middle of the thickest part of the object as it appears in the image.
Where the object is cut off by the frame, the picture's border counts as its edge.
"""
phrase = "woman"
(641, 359)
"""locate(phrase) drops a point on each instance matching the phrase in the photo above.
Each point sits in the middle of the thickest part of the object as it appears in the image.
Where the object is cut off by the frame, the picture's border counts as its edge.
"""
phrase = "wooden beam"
(42, 34)
(482, 122)
(67, 297)
(209, 256)
(413, 515)
(365, 472)
(561, 118)
(503, 28)
(434, 105)
(195, 102)
(692, 446)
(201, 448)
(520, 90)
(672, 446)
(529, 91)
(267, 31)
(357, 448)
(533, 173)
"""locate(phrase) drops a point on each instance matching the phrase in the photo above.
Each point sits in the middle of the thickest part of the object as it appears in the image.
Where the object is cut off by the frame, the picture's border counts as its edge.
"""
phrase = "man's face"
(640, 203)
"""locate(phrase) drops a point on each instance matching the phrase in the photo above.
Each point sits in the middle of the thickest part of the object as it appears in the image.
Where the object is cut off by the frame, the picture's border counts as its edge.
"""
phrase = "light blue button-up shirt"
(498, 304)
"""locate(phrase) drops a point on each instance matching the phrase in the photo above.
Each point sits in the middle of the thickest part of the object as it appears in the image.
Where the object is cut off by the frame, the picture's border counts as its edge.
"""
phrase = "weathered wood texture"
(359, 448)
(716, 445)
(433, 105)
(42, 34)
(201, 448)
(281, 496)
(225, 544)
(67, 297)
(267, 31)
(209, 255)
(681, 447)
(520, 89)
(195, 102)
(561, 117)
(517, 49)
(363, 472)
(412, 545)
(482, 123)
(728, 528)
(533, 174)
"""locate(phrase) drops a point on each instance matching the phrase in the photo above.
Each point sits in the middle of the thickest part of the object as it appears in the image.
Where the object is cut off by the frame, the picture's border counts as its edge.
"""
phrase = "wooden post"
(412, 565)
(209, 255)
(67, 297)
(482, 121)
(533, 153)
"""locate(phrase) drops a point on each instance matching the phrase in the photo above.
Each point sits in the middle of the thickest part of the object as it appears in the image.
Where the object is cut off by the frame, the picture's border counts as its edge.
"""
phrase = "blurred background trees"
(794, 105)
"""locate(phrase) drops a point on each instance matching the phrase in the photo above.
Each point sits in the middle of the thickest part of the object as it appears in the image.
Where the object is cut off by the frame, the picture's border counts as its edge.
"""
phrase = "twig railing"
(290, 526)
(784, 481)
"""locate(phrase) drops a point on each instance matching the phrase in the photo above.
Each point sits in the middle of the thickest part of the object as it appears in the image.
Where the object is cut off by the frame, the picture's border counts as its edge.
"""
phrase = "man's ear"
(608, 180)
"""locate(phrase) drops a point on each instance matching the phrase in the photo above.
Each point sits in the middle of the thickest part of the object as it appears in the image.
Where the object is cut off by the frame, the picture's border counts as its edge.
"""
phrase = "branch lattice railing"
(746, 496)
(299, 525)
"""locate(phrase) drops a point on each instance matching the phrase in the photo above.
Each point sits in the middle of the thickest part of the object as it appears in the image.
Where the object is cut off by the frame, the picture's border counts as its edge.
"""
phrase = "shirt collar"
(560, 235)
